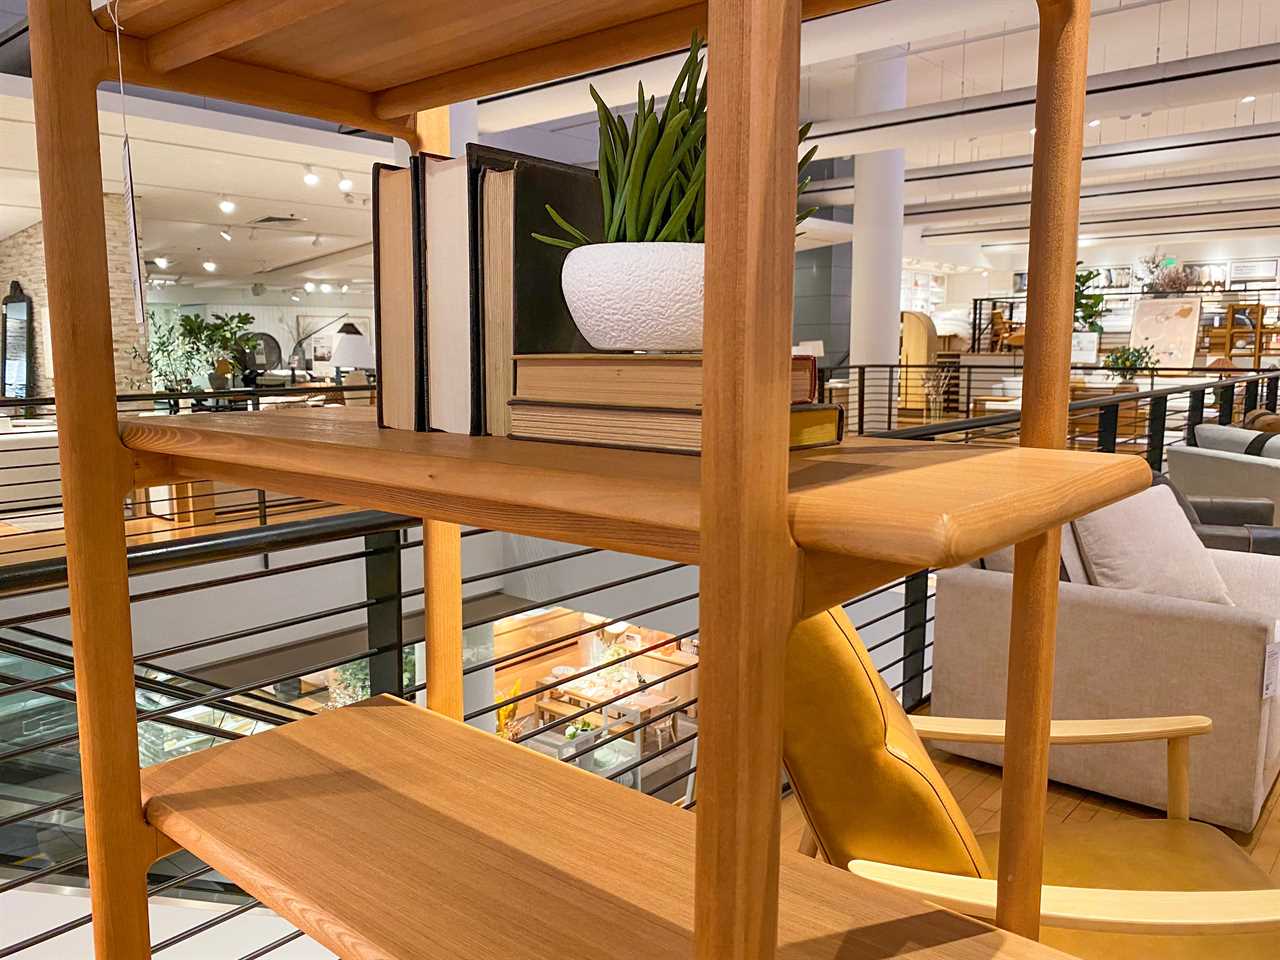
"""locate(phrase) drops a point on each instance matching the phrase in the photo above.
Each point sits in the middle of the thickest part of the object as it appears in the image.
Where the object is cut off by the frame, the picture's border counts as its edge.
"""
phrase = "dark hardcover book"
(537, 319)
(397, 314)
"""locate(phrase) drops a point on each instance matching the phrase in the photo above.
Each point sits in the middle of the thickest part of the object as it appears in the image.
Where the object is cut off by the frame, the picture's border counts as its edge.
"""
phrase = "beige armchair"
(1123, 653)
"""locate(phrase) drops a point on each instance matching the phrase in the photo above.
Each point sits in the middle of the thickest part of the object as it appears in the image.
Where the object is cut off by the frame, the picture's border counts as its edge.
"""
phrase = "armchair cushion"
(1145, 543)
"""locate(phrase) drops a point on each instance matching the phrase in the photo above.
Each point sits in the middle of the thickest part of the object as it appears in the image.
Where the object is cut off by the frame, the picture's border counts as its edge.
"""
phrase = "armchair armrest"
(968, 730)
(1176, 730)
(1233, 511)
(1151, 912)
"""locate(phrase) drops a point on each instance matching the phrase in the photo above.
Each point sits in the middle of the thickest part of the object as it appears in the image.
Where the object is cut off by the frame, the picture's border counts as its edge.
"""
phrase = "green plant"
(172, 359)
(220, 340)
(653, 175)
(1126, 362)
(1088, 305)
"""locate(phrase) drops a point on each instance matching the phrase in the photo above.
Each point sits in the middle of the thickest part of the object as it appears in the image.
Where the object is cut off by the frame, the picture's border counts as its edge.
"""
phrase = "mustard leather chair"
(874, 801)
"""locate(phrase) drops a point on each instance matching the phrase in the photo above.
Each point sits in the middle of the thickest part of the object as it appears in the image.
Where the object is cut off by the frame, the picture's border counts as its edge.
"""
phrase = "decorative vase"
(217, 381)
(636, 296)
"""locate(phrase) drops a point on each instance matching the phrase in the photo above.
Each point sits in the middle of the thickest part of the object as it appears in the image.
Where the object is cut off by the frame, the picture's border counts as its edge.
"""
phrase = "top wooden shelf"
(409, 55)
(385, 831)
(909, 503)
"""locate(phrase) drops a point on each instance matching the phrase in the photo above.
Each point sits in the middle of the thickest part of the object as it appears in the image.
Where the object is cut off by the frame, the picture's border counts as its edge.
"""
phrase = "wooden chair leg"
(808, 843)
(1180, 778)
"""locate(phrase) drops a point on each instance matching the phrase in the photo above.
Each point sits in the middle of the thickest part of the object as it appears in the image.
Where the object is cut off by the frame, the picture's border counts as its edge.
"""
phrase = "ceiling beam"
(226, 26)
(291, 271)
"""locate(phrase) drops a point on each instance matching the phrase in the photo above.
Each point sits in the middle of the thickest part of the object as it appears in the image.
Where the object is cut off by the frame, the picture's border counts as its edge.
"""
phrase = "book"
(479, 287)
(666, 429)
(629, 379)
(396, 316)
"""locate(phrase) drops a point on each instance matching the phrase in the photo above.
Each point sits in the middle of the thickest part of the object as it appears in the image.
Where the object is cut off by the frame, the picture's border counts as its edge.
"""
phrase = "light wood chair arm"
(968, 730)
(1151, 912)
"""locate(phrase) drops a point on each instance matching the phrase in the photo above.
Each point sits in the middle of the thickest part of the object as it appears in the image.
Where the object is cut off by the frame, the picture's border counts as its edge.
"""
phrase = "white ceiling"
(185, 160)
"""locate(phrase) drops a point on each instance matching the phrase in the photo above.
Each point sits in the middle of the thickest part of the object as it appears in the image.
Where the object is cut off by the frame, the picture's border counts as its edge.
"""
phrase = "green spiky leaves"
(653, 173)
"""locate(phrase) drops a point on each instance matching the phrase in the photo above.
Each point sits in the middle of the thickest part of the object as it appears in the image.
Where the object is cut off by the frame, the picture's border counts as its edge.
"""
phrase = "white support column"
(880, 83)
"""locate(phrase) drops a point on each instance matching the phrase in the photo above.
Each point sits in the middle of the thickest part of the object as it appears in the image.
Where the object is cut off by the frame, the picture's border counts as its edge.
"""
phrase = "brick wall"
(22, 259)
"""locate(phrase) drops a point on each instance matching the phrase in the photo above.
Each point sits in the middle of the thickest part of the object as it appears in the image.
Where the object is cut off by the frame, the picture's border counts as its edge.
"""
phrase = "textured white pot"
(636, 296)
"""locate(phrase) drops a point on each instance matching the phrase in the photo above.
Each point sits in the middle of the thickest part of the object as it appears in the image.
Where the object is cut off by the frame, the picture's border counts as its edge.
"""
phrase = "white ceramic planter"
(636, 296)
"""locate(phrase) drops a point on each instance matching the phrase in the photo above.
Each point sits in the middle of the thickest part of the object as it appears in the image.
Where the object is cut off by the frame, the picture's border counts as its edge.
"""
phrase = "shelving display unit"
(498, 851)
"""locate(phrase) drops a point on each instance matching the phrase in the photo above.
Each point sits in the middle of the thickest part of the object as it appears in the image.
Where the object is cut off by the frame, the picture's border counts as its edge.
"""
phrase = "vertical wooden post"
(1055, 215)
(68, 59)
(442, 571)
(749, 562)
(441, 542)
(1179, 765)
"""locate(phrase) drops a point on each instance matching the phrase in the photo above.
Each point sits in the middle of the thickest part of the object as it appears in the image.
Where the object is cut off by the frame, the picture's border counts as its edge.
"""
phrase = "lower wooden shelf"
(385, 831)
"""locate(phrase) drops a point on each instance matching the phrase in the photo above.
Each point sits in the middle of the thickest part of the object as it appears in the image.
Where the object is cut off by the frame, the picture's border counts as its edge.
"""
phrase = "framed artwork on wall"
(1171, 327)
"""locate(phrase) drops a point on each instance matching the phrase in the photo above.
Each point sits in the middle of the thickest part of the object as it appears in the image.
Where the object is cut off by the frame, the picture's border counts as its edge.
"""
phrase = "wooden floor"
(977, 789)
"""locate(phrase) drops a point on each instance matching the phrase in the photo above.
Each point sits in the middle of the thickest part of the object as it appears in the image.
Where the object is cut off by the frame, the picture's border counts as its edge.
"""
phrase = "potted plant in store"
(1125, 363)
(1089, 309)
(639, 286)
(220, 340)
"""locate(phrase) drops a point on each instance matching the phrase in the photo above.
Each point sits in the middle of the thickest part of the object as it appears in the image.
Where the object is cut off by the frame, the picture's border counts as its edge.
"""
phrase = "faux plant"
(220, 340)
(1163, 275)
(172, 359)
(1125, 363)
(653, 175)
(1088, 305)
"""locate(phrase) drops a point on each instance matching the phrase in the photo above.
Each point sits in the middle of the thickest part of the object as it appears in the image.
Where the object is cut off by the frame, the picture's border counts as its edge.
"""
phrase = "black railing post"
(915, 616)
(1226, 403)
(1108, 427)
(1273, 391)
(1195, 415)
(968, 391)
(862, 400)
(1250, 397)
(890, 400)
(1157, 414)
(383, 617)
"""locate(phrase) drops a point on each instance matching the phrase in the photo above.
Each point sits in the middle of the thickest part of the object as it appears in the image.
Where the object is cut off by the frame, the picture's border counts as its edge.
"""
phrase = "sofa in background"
(1185, 630)
(1219, 466)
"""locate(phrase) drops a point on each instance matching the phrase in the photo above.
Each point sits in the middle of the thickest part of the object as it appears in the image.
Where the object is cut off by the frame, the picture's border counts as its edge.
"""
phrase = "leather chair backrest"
(862, 776)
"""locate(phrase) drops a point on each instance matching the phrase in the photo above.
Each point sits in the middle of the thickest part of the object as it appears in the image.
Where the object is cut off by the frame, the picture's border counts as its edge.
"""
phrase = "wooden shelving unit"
(353, 823)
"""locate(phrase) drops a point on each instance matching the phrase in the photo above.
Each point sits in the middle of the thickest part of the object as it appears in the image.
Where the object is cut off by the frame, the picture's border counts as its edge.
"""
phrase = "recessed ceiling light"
(344, 288)
(1095, 123)
(344, 183)
(226, 205)
(326, 288)
(309, 287)
(210, 266)
(225, 234)
(162, 262)
(310, 177)
(1249, 99)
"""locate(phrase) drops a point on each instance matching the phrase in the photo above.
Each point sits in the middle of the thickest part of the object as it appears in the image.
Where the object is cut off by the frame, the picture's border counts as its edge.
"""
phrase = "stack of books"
(473, 332)
(643, 401)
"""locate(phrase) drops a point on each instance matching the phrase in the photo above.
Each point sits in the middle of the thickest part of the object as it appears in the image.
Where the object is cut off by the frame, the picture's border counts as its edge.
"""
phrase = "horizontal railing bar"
(200, 928)
(561, 681)
(544, 644)
(48, 807)
(640, 762)
(656, 718)
(639, 688)
(273, 946)
(33, 876)
(556, 601)
(653, 791)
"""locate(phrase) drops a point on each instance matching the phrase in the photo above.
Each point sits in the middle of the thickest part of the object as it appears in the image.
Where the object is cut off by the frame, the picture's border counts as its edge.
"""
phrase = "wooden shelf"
(386, 831)
(412, 54)
(915, 503)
